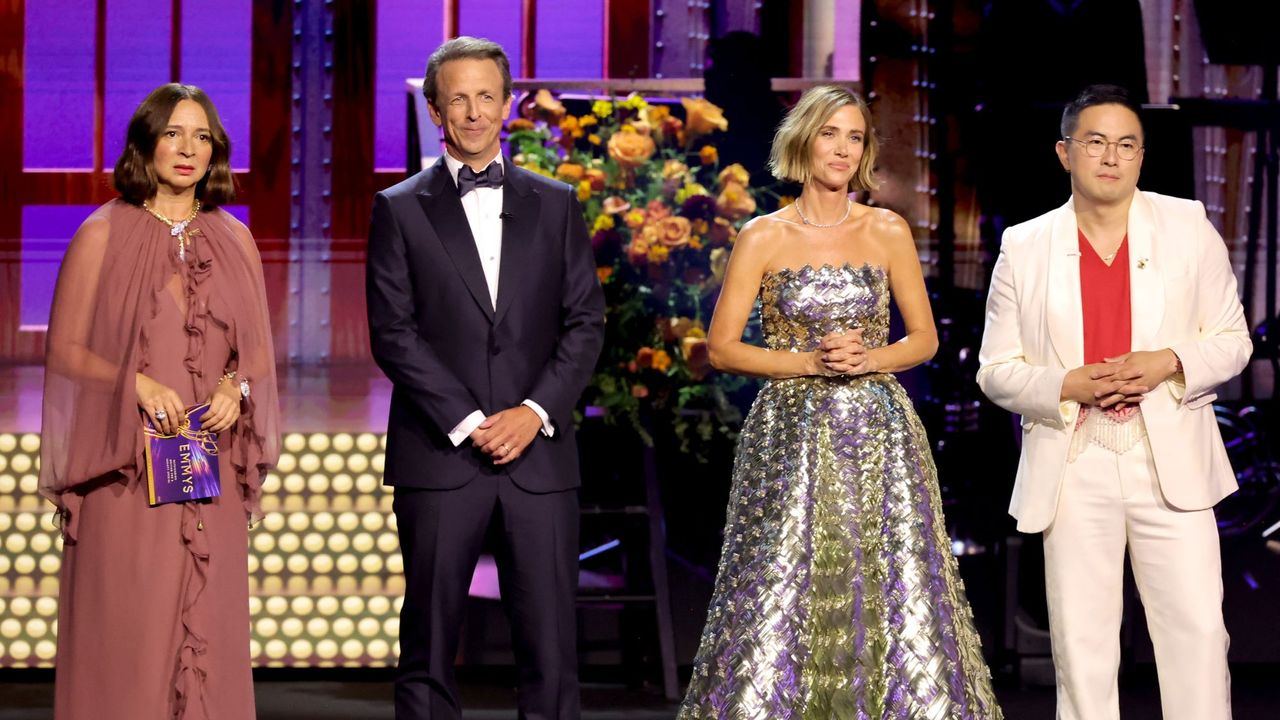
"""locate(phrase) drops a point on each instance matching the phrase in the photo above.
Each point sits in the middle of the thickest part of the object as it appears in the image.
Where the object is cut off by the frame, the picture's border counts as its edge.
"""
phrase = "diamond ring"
(161, 415)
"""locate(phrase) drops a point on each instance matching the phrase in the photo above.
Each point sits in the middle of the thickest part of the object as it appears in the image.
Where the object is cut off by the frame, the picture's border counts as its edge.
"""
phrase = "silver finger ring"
(161, 415)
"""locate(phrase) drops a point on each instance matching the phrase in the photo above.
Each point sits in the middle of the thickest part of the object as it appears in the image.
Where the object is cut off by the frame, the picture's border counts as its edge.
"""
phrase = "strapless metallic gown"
(837, 594)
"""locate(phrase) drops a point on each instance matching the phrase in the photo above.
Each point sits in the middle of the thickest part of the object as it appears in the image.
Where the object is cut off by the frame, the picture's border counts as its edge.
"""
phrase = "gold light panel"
(325, 574)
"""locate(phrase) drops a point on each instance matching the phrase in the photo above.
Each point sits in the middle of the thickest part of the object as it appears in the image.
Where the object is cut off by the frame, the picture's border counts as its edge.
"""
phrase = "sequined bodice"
(799, 306)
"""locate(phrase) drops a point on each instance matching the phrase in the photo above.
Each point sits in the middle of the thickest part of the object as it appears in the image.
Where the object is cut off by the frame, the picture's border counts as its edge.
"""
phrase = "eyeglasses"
(1097, 147)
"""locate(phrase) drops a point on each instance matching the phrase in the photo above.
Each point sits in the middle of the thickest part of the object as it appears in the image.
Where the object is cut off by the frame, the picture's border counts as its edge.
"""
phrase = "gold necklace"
(177, 228)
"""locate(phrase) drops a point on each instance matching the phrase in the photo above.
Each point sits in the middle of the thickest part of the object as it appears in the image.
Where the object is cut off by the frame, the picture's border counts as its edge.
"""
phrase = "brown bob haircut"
(789, 156)
(469, 48)
(135, 178)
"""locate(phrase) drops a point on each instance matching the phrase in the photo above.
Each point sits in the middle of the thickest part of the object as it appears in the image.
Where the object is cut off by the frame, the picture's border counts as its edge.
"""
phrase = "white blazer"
(1182, 296)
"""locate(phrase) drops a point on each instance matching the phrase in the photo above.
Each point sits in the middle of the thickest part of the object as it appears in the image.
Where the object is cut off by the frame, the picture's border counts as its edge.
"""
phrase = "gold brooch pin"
(1142, 263)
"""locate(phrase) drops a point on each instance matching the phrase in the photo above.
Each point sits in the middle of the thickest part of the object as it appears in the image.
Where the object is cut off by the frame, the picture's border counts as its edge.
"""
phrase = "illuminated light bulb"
(366, 442)
(352, 605)
(382, 441)
(328, 605)
(313, 542)
(309, 463)
(36, 628)
(294, 442)
(8, 441)
(29, 484)
(46, 606)
(362, 542)
(343, 442)
(297, 564)
(272, 564)
(46, 649)
(20, 650)
(327, 649)
(377, 462)
(295, 483)
(347, 563)
(391, 627)
(20, 463)
(342, 484)
(372, 521)
(15, 543)
(392, 524)
(318, 442)
(50, 564)
(8, 483)
(333, 462)
(321, 521)
(24, 564)
(388, 543)
(289, 542)
(287, 463)
(20, 606)
(348, 521)
(264, 542)
(322, 564)
(395, 583)
(379, 605)
(26, 522)
(5, 564)
(267, 627)
(291, 627)
(273, 522)
(277, 605)
(300, 649)
(357, 462)
(318, 483)
(368, 627)
(297, 584)
(276, 649)
(6, 522)
(255, 605)
(379, 649)
(317, 627)
(371, 564)
(30, 443)
(322, 584)
(41, 542)
(398, 604)
(298, 521)
(371, 585)
(352, 649)
(343, 627)
(271, 484)
(346, 585)
(255, 648)
(253, 563)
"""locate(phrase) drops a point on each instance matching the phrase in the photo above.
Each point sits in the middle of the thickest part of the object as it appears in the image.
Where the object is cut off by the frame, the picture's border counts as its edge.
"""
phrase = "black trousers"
(441, 533)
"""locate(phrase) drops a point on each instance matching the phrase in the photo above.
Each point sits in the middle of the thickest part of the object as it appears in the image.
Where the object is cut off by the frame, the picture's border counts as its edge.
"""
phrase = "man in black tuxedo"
(486, 314)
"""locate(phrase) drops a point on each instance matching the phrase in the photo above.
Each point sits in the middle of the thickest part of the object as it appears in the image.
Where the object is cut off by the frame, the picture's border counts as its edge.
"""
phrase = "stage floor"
(487, 697)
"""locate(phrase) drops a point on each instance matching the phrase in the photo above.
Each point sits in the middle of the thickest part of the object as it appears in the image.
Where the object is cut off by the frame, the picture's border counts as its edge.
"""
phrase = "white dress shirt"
(483, 207)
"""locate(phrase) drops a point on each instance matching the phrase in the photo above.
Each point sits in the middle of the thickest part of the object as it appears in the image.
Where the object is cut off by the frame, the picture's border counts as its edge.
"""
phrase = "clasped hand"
(1120, 381)
(155, 397)
(505, 435)
(843, 353)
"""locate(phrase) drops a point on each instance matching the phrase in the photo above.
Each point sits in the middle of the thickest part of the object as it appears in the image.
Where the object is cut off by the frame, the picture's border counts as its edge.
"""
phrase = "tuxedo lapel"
(1146, 289)
(443, 209)
(1065, 315)
(520, 217)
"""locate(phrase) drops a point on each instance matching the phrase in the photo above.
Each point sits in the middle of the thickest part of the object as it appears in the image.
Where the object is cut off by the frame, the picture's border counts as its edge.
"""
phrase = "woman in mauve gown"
(159, 306)
(837, 594)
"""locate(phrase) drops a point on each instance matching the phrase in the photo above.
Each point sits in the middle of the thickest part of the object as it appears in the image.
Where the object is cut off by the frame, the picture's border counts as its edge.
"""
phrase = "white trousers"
(1108, 501)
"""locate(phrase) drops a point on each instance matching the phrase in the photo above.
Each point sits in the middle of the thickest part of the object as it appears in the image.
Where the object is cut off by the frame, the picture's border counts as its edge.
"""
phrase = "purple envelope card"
(184, 466)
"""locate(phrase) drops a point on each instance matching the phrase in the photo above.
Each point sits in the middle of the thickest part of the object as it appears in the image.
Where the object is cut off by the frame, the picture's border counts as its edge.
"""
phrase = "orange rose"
(656, 210)
(702, 117)
(661, 360)
(675, 170)
(614, 205)
(722, 232)
(734, 202)
(547, 107)
(638, 251)
(696, 356)
(631, 149)
(708, 155)
(596, 177)
(644, 357)
(519, 124)
(673, 232)
(735, 173)
(570, 172)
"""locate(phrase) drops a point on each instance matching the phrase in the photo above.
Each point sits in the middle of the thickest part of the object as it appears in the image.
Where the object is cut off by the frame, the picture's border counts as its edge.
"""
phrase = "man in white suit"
(1110, 323)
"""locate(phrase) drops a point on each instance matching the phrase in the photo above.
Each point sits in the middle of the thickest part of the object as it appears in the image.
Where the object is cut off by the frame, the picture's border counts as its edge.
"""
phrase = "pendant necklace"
(177, 228)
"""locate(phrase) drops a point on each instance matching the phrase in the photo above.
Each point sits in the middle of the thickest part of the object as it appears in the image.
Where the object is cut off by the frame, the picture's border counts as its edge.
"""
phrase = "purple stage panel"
(496, 20)
(137, 53)
(221, 63)
(570, 39)
(46, 231)
(407, 32)
(58, 87)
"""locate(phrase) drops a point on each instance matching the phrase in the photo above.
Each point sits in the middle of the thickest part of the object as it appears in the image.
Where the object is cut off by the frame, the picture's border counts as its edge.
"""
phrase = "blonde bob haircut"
(789, 157)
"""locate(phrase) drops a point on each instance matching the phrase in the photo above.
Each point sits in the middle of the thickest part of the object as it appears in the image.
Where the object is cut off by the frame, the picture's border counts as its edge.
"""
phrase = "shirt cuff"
(547, 428)
(464, 429)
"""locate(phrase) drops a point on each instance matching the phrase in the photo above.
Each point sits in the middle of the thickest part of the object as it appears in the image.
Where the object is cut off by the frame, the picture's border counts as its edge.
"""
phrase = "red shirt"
(1105, 302)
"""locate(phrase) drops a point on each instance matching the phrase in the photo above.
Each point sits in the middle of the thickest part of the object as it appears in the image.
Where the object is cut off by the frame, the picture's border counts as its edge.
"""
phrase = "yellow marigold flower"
(709, 155)
(604, 273)
(602, 108)
(584, 190)
(634, 219)
(696, 332)
(658, 253)
(587, 121)
(695, 242)
(627, 128)
(661, 360)
(634, 102)
(603, 222)
(700, 227)
(594, 139)
(688, 191)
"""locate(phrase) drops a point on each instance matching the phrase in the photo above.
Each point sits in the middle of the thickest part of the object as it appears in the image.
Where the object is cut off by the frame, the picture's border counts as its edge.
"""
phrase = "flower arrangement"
(663, 215)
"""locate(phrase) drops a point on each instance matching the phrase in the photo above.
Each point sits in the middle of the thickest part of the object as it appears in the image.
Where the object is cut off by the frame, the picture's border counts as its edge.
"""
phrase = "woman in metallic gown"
(837, 594)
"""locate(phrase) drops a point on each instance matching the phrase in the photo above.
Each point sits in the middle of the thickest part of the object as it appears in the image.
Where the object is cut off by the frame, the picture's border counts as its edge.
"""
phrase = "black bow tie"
(469, 179)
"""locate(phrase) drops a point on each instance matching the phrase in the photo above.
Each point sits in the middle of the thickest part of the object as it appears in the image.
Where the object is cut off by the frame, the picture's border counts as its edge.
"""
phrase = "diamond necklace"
(177, 228)
(848, 206)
